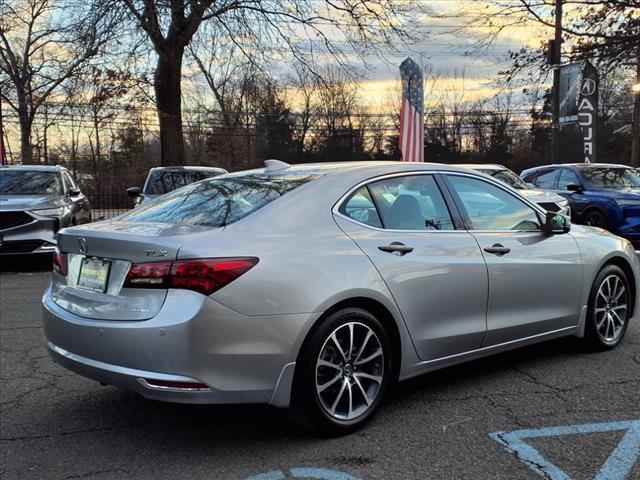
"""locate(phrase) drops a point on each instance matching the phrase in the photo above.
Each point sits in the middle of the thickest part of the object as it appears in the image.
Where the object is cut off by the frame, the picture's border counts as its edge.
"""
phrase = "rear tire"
(609, 309)
(342, 374)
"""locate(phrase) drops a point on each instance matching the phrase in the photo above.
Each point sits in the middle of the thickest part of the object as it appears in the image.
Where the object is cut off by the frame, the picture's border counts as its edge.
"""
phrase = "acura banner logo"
(83, 244)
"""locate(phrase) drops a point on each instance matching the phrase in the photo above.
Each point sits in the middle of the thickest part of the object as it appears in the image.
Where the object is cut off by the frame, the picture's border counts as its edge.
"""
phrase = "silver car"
(550, 201)
(35, 202)
(161, 180)
(316, 287)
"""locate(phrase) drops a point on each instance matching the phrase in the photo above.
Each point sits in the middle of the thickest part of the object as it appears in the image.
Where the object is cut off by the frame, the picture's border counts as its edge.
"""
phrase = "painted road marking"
(312, 473)
(616, 467)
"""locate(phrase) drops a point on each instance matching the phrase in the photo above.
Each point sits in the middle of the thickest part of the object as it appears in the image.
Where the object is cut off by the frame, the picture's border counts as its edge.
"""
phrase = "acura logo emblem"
(588, 86)
(83, 244)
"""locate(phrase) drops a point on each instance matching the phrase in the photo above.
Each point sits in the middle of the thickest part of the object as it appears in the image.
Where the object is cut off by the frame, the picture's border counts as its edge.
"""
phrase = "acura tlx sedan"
(316, 287)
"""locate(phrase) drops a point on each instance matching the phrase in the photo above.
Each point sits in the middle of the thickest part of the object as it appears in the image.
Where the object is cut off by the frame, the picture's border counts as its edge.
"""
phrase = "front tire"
(609, 309)
(596, 218)
(343, 372)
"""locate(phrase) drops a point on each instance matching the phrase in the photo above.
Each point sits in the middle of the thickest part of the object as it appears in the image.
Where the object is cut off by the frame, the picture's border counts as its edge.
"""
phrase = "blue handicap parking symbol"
(306, 473)
(616, 467)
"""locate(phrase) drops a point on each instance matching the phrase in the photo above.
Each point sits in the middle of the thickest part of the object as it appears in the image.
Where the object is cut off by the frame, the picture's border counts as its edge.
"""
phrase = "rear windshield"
(24, 182)
(217, 202)
(611, 178)
(165, 181)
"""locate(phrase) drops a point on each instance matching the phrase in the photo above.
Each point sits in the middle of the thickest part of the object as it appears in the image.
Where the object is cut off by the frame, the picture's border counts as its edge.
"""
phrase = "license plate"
(94, 274)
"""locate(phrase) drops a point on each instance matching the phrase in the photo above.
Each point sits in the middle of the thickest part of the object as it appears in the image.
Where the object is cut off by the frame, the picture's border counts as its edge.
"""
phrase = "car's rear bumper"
(192, 339)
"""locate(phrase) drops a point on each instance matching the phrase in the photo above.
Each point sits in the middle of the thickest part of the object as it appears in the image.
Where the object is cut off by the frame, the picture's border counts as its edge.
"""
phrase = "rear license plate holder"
(94, 274)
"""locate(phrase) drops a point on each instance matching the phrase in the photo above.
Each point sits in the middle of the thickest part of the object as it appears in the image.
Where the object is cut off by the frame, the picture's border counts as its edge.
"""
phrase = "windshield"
(613, 178)
(165, 181)
(508, 177)
(25, 182)
(217, 202)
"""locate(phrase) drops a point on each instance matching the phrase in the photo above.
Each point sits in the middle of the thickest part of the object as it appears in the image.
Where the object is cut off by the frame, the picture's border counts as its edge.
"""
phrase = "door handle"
(497, 249)
(396, 248)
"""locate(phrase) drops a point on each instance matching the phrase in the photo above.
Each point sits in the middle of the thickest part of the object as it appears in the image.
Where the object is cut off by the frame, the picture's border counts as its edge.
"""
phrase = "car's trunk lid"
(99, 256)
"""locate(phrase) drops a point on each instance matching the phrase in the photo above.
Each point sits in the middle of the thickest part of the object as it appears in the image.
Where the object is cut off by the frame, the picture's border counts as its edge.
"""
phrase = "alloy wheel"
(349, 371)
(611, 308)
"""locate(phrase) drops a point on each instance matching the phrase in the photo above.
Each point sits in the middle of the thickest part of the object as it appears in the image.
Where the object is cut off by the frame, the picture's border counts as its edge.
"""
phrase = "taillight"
(204, 276)
(148, 275)
(60, 265)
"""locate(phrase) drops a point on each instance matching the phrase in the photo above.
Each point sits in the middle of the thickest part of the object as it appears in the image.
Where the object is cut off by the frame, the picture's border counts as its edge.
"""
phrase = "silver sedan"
(316, 287)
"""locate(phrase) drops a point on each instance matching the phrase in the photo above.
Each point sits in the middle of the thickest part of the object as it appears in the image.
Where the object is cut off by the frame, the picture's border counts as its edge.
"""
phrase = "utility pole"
(635, 129)
(556, 60)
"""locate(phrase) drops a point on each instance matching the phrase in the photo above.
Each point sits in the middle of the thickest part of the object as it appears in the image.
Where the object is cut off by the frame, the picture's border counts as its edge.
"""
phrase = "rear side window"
(547, 178)
(413, 202)
(361, 208)
(217, 202)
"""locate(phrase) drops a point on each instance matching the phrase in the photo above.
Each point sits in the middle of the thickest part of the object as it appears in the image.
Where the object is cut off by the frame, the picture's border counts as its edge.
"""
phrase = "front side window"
(24, 182)
(165, 181)
(413, 202)
(567, 177)
(491, 208)
(68, 181)
(547, 179)
(218, 202)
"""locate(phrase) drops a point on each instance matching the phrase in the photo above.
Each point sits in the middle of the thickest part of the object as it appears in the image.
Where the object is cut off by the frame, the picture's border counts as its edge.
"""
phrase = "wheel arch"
(376, 308)
(624, 265)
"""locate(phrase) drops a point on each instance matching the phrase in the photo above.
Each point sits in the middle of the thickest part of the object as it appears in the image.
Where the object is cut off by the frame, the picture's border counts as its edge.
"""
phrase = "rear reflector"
(204, 276)
(60, 264)
(173, 385)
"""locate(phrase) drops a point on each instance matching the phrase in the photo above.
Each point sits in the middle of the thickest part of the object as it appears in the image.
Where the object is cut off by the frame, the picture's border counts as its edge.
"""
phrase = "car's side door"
(534, 278)
(577, 199)
(435, 271)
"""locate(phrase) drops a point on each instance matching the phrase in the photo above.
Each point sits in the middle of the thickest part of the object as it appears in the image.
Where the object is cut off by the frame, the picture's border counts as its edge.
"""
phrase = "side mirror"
(572, 187)
(133, 192)
(74, 192)
(556, 224)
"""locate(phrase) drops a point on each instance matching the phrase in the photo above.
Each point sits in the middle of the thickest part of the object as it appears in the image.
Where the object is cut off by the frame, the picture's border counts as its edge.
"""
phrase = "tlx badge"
(156, 253)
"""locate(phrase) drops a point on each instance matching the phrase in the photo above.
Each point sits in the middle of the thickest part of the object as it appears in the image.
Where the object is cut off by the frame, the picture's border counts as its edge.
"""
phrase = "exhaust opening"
(173, 385)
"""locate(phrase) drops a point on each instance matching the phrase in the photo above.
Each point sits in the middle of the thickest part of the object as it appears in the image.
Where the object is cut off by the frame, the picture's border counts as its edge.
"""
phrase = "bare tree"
(43, 43)
(301, 29)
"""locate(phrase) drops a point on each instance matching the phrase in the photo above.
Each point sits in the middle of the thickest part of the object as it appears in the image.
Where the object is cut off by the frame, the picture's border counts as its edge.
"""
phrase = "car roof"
(179, 168)
(365, 167)
(581, 165)
(481, 166)
(34, 168)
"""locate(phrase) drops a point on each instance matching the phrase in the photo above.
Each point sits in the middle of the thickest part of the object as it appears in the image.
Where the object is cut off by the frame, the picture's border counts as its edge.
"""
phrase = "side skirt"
(438, 363)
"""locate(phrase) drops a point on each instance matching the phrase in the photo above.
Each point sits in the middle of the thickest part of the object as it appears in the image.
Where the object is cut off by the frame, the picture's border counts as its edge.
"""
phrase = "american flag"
(411, 113)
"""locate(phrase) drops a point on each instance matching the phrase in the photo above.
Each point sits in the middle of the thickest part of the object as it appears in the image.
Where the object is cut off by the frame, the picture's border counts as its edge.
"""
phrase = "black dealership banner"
(568, 86)
(588, 110)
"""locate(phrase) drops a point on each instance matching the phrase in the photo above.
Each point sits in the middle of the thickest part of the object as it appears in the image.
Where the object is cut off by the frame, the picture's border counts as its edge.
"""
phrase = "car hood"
(30, 202)
(539, 196)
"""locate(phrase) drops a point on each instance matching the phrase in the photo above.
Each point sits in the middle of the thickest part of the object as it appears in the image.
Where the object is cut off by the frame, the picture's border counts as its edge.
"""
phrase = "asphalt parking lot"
(56, 425)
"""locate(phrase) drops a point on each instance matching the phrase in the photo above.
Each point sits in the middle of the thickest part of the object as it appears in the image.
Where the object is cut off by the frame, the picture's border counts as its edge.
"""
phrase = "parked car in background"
(35, 202)
(163, 180)
(318, 286)
(601, 195)
(550, 201)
